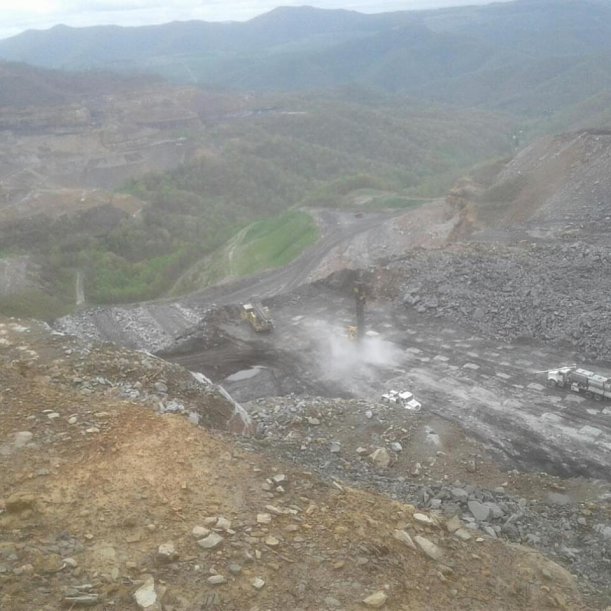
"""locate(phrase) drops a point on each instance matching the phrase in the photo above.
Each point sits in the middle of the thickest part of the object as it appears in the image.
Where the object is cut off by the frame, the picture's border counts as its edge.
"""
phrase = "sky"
(19, 15)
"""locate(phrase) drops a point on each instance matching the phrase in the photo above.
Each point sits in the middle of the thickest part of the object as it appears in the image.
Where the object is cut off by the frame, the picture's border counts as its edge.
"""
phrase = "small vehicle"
(403, 398)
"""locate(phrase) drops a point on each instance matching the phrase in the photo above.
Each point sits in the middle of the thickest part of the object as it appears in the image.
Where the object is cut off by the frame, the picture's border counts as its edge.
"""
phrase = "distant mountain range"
(534, 58)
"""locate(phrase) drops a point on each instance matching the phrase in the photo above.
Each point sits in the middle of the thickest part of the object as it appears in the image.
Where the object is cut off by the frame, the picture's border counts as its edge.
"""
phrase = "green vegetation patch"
(112, 279)
(33, 303)
(265, 244)
(274, 242)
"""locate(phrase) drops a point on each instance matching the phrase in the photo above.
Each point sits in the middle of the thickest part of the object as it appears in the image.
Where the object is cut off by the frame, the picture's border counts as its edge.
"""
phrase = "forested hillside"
(529, 57)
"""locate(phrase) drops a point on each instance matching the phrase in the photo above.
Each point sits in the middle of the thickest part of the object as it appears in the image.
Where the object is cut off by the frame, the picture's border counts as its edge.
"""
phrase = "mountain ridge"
(551, 54)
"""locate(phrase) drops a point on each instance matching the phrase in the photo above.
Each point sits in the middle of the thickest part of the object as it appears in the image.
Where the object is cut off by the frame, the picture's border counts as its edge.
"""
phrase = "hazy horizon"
(45, 14)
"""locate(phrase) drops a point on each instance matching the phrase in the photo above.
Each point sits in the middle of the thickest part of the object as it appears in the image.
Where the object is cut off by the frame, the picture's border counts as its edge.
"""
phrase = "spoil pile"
(546, 291)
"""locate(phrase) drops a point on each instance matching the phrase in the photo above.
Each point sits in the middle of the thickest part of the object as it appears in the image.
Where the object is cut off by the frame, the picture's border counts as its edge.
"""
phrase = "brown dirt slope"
(93, 485)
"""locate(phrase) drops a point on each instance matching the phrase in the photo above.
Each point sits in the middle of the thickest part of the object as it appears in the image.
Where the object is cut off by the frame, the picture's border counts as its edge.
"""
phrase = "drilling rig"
(359, 290)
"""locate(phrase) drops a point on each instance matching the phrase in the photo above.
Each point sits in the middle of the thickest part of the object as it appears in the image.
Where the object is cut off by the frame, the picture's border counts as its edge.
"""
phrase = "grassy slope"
(262, 245)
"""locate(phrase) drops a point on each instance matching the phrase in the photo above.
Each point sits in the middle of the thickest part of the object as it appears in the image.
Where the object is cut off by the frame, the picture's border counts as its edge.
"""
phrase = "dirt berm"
(110, 504)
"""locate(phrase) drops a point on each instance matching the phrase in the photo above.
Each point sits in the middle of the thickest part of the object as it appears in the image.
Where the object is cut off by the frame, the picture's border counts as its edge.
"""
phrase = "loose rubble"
(117, 519)
(563, 530)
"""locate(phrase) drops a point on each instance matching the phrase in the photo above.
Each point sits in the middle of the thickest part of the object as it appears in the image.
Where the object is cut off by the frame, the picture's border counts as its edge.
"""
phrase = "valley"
(416, 207)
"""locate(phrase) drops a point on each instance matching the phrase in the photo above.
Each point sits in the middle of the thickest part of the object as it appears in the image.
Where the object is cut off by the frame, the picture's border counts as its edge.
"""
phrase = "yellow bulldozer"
(258, 316)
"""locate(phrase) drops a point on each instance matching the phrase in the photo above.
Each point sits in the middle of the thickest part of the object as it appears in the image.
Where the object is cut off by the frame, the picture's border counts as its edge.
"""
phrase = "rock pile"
(545, 291)
(575, 534)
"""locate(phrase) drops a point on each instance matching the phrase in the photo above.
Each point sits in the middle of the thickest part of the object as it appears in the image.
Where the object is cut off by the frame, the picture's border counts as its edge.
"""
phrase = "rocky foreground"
(110, 501)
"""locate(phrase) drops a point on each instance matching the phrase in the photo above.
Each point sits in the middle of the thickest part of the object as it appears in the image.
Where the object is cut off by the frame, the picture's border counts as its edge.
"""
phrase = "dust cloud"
(341, 357)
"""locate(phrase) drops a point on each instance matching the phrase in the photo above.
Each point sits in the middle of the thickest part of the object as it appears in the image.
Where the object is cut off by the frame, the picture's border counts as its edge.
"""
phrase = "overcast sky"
(19, 15)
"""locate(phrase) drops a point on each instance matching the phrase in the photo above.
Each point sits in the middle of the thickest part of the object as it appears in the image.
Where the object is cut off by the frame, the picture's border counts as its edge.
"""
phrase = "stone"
(50, 564)
(423, 519)
(199, 532)
(460, 494)
(22, 438)
(223, 523)
(216, 580)
(555, 498)
(479, 511)
(380, 458)
(453, 524)
(495, 511)
(161, 387)
(146, 596)
(395, 446)
(257, 583)
(335, 447)
(264, 518)
(276, 510)
(281, 478)
(234, 569)
(211, 541)
(82, 600)
(490, 531)
(331, 602)
(429, 548)
(401, 535)
(166, 553)
(272, 541)
(463, 534)
(104, 557)
(19, 502)
(376, 600)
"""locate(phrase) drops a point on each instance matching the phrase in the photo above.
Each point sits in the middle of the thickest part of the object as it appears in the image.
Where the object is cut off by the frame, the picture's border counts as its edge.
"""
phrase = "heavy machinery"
(360, 296)
(592, 385)
(258, 316)
(355, 333)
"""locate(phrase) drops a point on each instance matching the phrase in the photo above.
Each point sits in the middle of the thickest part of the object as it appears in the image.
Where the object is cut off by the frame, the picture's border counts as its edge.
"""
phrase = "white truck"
(403, 398)
(592, 385)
